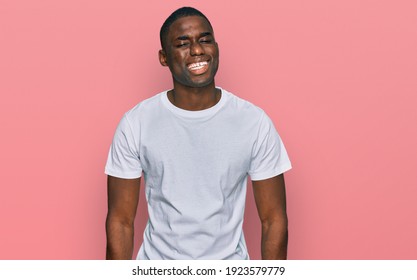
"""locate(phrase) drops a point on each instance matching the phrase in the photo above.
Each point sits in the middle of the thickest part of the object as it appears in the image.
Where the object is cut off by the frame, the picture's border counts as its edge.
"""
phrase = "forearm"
(274, 240)
(119, 240)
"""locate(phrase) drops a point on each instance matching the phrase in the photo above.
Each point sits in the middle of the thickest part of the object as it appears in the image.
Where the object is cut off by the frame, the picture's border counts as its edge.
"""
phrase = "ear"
(162, 57)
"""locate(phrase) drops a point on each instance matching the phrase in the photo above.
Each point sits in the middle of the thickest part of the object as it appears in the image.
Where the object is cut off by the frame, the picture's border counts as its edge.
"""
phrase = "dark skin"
(123, 197)
(191, 40)
(192, 55)
(270, 201)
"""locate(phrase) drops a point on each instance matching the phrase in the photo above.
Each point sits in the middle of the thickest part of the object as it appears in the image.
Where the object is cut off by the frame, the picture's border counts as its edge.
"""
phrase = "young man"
(196, 144)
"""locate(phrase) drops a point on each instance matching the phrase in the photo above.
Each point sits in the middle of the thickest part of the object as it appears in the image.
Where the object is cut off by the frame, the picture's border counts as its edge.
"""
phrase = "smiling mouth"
(197, 65)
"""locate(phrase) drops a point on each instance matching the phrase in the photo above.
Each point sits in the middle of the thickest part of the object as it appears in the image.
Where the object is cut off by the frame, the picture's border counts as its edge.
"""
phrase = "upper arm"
(270, 198)
(269, 156)
(123, 197)
(123, 160)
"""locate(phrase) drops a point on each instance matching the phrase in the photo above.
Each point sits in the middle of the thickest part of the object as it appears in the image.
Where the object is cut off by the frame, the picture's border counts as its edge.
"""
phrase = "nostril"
(196, 48)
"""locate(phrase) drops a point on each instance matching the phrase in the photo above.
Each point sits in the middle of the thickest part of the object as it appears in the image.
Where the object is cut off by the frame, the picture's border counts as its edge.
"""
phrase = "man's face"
(191, 52)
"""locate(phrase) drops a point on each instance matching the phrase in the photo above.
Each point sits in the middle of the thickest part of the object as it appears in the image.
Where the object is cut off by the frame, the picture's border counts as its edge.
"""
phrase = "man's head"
(189, 48)
(179, 13)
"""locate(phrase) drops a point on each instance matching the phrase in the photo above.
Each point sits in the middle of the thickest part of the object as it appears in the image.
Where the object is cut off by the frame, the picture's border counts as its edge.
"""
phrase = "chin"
(202, 82)
(198, 84)
(202, 85)
(195, 81)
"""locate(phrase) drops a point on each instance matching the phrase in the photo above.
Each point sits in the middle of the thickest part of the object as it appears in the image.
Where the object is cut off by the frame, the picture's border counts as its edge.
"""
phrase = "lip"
(198, 67)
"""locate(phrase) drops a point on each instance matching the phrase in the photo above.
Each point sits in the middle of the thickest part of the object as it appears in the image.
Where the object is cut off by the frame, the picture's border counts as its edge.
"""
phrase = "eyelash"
(202, 41)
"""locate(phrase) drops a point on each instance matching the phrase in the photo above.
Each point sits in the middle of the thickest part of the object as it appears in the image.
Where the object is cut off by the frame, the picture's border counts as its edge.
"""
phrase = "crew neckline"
(194, 114)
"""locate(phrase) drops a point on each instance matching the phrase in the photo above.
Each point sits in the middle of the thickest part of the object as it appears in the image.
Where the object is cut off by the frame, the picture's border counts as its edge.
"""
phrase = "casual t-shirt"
(195, 166)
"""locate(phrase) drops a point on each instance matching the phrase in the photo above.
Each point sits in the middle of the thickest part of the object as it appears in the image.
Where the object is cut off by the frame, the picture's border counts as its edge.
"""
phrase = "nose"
(196, 49)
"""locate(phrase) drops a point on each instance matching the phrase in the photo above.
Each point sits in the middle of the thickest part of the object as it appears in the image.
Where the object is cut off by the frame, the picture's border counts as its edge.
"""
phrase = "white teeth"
(197, 65)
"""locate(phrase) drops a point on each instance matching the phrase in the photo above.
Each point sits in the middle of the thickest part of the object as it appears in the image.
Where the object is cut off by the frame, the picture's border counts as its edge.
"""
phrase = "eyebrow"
(182, 38)
(186, 37)
(204, 34)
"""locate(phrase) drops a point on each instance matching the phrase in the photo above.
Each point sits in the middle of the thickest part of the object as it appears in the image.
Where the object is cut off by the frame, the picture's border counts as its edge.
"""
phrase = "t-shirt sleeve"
(123, 160)
(269, 156)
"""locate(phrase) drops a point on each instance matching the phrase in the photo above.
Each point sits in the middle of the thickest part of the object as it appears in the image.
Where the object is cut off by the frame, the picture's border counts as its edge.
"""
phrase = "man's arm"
(271, 203)
(123, 197)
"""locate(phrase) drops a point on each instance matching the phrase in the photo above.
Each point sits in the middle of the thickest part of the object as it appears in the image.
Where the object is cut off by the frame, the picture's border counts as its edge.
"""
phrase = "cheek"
(176, 57)
(176, 66)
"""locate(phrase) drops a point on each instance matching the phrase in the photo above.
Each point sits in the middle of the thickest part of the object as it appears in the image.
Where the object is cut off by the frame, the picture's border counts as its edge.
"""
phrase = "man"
(196, 144)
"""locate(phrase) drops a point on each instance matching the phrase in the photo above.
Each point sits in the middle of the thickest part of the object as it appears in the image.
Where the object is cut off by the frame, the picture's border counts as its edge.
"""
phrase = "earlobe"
(162, 58)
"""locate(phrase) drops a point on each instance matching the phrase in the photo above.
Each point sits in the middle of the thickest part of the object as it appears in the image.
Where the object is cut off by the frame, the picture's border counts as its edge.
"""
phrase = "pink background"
(338, 78)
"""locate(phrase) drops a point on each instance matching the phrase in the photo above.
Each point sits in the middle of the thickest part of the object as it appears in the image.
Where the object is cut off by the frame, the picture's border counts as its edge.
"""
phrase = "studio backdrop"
(338, 79)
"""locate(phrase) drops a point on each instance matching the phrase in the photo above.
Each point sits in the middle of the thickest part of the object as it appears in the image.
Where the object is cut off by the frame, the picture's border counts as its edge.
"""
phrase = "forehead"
(189, 25)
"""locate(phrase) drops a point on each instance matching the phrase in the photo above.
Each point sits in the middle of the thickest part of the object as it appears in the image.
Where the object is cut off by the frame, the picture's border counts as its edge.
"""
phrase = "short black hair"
(177, 14)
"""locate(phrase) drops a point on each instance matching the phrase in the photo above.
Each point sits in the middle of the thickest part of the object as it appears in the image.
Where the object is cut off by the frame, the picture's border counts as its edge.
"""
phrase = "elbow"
(118, 221)
(277, 222)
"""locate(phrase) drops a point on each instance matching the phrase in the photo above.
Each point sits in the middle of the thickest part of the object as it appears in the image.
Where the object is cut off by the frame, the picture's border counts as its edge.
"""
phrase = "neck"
(194, 99)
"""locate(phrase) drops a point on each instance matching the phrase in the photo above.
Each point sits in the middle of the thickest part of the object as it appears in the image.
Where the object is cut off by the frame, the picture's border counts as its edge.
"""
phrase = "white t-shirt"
(196, 165)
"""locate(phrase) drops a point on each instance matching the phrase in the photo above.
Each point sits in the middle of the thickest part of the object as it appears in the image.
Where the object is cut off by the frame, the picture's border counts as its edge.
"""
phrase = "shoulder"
(243, 108)
(146, 109)
(148, 104)
(140, 114)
